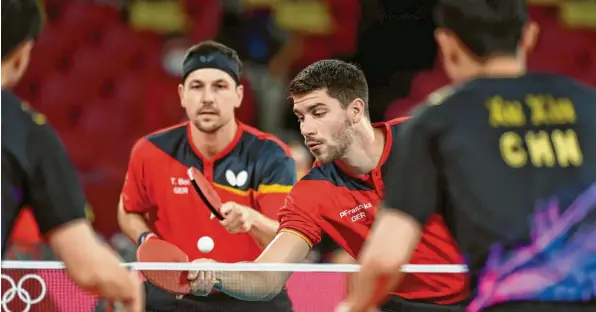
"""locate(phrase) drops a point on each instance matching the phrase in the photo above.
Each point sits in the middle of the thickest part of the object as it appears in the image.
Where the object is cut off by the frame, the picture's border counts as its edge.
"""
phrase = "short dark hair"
(343, 81)
(21, 21)
(486, 27)
(210, 46)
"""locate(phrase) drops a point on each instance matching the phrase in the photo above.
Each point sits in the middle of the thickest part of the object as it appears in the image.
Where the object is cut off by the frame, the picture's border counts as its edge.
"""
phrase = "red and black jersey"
(255, 170)
(331, 200)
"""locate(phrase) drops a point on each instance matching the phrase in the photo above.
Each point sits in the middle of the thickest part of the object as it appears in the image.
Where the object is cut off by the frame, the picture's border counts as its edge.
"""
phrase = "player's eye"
(319, 114)
(196, 87)
(220, 86)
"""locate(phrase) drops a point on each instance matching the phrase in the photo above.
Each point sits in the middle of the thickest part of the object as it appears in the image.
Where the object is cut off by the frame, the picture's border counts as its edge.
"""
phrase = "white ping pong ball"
(205, 244)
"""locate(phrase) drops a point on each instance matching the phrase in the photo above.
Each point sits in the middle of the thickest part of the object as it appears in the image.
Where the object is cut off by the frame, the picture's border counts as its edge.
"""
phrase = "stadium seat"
(426, 82)
(51, 50)
(206, 18)
(61, 100)
(92, 68)
(128, 94)
(161, 104)
(86, 20)
(246, 113)
(400, 108)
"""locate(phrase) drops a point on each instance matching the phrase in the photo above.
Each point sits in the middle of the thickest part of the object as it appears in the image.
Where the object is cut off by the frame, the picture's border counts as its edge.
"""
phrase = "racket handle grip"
(218, 285)
(145, 236)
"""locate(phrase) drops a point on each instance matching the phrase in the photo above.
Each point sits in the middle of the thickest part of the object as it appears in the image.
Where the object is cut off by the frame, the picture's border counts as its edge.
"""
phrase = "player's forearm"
(90, 263)
(252, 286)
(132, 224)
(264, 230)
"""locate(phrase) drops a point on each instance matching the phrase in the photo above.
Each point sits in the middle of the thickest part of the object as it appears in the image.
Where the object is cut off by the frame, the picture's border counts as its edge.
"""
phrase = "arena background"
(105, 73)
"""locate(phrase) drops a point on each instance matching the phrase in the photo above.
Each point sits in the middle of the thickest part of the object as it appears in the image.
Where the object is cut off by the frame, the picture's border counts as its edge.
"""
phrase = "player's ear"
(529, 37)
(15, 65)
(240, 93)
(356, 110)
(181, 93)
(444, 42)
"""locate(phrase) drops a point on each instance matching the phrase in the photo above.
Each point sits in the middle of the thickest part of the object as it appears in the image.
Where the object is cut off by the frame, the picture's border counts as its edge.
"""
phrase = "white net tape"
(29, 286)
(244, 267)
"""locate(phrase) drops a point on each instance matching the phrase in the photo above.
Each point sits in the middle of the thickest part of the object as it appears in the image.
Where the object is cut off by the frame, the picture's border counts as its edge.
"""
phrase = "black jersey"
(510, 163)
(36, 172)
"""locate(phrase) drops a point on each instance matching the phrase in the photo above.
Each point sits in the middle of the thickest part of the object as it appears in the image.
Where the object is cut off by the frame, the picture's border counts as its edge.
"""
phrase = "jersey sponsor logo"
(356, 213)
(16, 291)
(236, 180)
(180, 185)
(557, 265)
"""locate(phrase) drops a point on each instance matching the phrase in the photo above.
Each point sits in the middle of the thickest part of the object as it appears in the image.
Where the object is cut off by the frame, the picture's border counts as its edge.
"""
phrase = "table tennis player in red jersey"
(339, 195)
(252, 172)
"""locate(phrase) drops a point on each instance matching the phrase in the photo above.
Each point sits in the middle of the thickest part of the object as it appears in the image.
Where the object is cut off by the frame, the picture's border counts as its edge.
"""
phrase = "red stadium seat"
(427, 82)
(128, 94)
(61, 99)
(247, 112)
(161, 104)
(206, 17)
(82, 148)
(86, 20)
(120, 43)
(51, 50)
(400, 108)
(94, 70)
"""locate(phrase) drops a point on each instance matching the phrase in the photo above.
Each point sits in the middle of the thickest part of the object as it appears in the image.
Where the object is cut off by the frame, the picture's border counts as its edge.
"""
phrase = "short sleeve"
(299, 214)
(55, 194)
(411, 181)
(134, 191)
(276, 178)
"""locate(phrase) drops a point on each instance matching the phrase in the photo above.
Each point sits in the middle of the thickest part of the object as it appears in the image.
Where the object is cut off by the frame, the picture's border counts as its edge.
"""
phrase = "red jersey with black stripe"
(331, 200)
(254, 170)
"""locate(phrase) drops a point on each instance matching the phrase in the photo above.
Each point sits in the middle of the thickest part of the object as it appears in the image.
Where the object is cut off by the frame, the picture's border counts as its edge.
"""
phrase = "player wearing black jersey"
(508, 158)
(36, 172)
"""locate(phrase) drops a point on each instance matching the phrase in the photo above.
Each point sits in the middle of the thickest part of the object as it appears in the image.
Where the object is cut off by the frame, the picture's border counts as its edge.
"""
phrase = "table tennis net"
(30, 286)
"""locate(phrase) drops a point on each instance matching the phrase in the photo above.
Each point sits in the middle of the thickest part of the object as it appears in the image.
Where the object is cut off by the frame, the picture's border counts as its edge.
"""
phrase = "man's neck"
(502, 67)
(210, 144)
(366, 151)
(5, 84)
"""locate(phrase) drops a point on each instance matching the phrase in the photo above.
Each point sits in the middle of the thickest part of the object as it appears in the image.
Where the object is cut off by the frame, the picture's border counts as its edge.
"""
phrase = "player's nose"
(208, 97)
(307, 129)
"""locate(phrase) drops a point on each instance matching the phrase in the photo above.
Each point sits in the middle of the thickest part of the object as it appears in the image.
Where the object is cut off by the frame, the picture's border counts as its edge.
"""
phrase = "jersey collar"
(224, 152)
(386, 151)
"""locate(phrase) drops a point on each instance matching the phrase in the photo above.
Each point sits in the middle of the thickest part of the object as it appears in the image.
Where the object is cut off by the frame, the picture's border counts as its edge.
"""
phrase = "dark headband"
(215, 60)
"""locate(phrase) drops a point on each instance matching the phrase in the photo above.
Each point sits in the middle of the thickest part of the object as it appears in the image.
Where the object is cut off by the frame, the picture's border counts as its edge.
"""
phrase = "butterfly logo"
(236, 179)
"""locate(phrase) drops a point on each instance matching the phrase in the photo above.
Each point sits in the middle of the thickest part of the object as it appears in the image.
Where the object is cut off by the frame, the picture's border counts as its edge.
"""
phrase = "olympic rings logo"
(16, 289)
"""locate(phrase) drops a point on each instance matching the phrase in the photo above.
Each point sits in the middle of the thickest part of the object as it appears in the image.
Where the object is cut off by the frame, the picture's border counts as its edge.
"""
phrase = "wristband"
(145, 236)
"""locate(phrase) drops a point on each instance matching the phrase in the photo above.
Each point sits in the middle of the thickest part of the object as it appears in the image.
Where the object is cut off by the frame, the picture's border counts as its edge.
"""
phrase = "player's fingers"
(235, 226)
(226, 208)
(232, 218)
(246, 226)
(227, 221)
(192, 275)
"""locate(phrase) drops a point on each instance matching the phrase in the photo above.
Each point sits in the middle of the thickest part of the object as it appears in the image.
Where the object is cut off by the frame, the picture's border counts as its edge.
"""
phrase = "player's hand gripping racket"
(206, 191)
(175, 282)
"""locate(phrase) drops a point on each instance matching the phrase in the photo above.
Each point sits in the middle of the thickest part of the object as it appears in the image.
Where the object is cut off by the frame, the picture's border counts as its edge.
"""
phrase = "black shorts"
(158, 300)
(398, 304)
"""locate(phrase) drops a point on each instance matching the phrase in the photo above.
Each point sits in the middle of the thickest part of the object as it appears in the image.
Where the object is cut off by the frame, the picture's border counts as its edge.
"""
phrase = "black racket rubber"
(205, 200)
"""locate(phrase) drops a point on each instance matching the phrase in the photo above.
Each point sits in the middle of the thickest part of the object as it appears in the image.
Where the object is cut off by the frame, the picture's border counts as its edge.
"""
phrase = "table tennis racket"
(206, 191)
(157, 250)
